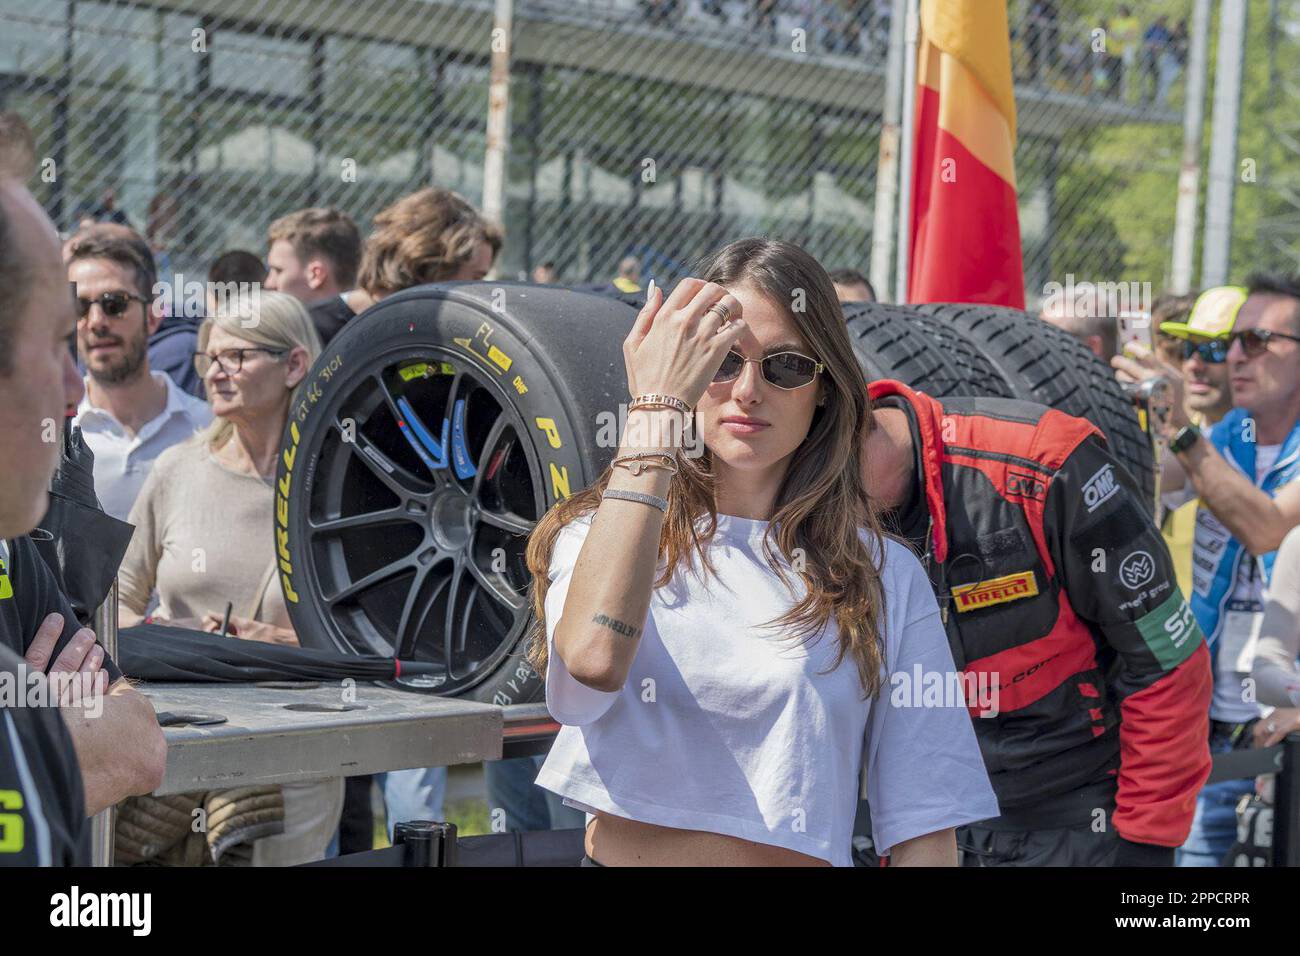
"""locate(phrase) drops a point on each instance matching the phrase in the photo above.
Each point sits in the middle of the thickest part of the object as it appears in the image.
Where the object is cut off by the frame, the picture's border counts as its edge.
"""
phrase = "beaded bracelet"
(640, 461)
(659, 401)
(653, 500)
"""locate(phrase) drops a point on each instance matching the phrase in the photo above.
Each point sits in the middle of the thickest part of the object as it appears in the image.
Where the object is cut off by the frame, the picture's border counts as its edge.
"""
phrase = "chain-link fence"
(1267, 225)
(656, 128)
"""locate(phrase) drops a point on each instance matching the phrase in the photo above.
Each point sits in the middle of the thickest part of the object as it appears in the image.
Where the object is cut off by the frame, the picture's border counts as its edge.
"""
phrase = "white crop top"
(724, 727)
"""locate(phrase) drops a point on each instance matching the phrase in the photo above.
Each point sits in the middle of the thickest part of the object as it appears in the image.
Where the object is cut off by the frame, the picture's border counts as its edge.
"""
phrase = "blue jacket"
(171, 351)
(1216, 554)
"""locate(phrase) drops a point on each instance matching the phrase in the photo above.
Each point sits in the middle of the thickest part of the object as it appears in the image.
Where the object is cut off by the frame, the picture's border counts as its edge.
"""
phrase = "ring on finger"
(724, 313)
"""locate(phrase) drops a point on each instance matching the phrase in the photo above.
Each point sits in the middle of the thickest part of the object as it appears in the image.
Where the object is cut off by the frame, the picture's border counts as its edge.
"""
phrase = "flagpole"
(1216, 244)
(904, 258)
(882, 235)
(1189, 177)
(498, 118)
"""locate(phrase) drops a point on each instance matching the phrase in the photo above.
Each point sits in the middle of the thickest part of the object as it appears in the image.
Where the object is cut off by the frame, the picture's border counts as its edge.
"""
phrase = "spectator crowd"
(1124, 57)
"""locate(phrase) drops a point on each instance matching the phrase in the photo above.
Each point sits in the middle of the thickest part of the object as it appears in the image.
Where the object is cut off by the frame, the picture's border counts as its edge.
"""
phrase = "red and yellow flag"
(965, 229)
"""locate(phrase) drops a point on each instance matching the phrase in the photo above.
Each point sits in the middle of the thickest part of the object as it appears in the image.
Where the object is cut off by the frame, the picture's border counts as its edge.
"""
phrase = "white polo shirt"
(123, 461)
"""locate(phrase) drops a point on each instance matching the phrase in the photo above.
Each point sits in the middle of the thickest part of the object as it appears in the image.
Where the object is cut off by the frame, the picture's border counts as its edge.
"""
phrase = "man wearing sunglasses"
(1198, 373)
(1246, 473)
(130, 414)
(1203, 357)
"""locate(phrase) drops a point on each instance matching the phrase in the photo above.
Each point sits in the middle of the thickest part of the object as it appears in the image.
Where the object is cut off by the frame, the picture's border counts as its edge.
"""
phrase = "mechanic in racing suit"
(1087, 677)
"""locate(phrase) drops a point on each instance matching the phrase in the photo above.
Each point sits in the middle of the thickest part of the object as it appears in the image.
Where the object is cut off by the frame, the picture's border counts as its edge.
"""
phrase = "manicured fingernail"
(650, 290)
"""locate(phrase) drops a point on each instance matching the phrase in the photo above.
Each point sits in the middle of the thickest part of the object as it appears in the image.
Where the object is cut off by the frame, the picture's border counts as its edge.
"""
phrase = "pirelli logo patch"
(1009, 587)
(6, 586)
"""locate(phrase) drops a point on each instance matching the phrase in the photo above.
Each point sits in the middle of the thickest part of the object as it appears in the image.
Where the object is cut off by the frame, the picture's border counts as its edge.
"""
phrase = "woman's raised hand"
(676, 347)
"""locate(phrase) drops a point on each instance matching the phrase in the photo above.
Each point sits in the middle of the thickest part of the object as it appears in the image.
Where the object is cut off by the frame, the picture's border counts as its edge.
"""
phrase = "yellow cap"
(1212, 316)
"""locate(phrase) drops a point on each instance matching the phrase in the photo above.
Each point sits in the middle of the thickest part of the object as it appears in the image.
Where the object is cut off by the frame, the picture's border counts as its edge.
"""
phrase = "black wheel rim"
(425, 488)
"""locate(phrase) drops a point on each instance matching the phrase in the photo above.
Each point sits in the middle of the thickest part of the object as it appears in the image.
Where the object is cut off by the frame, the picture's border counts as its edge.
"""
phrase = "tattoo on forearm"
(618, 627)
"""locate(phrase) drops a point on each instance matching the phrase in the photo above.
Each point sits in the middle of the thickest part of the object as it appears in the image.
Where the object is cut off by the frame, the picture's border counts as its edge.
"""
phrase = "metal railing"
(103, 824)
(529, 729)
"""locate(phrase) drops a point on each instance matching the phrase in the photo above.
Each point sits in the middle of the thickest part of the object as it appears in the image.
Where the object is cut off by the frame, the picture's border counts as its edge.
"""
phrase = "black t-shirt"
(329, 316)
(42, 804)
(28, 592)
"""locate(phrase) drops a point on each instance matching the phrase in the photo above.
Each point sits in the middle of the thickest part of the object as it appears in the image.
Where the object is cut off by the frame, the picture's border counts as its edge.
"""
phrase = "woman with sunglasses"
(718, 631)
(204, 521)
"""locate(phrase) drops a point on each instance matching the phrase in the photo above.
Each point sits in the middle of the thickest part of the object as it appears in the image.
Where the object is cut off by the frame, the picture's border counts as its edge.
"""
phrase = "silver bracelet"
(660, 503)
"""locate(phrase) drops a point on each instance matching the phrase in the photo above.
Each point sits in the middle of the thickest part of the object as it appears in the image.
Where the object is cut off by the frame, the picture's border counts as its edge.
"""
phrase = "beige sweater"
(204, 535)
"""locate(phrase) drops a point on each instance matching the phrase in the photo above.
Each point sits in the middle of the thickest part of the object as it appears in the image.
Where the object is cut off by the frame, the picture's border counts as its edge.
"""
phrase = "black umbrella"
(79, 543)
(156, 652)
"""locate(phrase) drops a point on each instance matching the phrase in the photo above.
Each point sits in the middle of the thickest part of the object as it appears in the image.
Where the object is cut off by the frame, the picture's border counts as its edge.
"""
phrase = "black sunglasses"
(231, 360)
(113, 303)
(1213, 352)
(785, 370)
(1255, 341)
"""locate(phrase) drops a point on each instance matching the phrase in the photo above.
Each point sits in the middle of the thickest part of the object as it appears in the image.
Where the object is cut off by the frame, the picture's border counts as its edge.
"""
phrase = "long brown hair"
(821, 506)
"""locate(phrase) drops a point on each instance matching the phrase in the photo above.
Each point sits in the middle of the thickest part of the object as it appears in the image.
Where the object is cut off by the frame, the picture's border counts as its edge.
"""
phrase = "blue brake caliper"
(459, 450)
(432, 452)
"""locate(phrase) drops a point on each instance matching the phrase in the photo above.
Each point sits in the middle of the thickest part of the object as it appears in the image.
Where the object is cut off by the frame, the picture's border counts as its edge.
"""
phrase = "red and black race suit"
(1082, 661)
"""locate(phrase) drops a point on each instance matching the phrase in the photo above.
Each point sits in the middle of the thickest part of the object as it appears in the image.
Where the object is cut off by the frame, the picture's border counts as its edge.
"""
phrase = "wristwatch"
(1185, 438)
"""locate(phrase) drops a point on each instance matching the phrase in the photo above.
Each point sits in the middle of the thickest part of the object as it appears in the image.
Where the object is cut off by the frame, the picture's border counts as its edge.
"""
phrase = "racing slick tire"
(924, 353)
(1047, 365)
(428, 438)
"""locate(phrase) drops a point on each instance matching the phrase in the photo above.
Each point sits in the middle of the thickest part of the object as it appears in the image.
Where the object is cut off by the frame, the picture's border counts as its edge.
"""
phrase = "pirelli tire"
(923, 352)
(1046, 365)
(430, 436)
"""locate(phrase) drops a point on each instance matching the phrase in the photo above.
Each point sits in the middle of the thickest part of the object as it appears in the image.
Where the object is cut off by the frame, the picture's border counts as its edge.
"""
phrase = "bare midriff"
(617, 841)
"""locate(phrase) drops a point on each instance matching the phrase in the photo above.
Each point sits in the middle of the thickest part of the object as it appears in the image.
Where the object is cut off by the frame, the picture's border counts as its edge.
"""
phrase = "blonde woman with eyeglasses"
(204, 520)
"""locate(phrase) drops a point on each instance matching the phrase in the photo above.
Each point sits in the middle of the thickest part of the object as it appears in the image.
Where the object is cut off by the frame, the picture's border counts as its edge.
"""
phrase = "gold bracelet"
(640, 461)
(659, 401)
